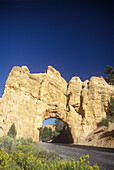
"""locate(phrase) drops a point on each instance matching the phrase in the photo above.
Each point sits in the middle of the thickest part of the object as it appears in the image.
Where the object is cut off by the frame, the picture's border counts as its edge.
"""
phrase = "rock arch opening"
(55, 130)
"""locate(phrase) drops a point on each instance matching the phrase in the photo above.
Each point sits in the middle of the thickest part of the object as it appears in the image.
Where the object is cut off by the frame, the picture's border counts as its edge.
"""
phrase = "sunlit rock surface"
(29, 99)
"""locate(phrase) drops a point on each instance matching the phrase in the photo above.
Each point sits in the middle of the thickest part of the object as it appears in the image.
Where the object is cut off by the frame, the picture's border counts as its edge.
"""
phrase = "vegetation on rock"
(111, 106)
(110, 116)
(110, 72)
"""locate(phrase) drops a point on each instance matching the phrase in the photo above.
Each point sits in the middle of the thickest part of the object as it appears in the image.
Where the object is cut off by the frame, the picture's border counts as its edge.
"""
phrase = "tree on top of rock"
(110, 72)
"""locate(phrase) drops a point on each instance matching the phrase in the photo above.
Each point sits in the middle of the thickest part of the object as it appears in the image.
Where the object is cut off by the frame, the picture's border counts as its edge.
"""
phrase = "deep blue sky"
(75, 37)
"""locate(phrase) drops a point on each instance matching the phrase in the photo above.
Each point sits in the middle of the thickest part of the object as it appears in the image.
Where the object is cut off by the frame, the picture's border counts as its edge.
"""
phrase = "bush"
(4, 157)
(28, 156)
(7, 143)
(90, 139)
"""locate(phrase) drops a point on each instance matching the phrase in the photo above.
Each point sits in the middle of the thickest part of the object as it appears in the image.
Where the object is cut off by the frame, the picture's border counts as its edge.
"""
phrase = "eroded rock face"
(29, 99)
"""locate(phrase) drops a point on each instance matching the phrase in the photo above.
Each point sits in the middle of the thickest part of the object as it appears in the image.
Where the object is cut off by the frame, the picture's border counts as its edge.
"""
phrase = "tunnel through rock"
(58, 132)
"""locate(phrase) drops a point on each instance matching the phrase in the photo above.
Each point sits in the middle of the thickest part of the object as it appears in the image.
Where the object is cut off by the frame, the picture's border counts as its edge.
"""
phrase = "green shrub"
(90, 139)
(7, 143)
(12, 165)
(107, 120)
(4, 157)
(30, 140)
(28, 156)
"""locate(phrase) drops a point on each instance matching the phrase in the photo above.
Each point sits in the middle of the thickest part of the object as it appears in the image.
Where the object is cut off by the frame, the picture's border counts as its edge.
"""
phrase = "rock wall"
(29, 99)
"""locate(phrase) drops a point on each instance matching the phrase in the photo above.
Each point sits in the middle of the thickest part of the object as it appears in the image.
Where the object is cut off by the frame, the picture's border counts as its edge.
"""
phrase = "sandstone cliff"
(29, 99)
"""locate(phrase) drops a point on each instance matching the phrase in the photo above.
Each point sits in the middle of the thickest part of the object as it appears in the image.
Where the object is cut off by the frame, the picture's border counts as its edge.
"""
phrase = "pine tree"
(12, 131)
(41, 134)
(50, 132)
(110, 78)
(45, 135)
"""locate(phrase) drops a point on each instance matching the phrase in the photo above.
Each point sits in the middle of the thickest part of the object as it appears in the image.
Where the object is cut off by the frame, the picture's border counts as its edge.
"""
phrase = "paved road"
(104, 159)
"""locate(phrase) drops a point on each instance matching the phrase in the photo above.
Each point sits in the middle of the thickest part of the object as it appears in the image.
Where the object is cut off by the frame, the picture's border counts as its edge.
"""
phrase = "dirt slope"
(102, 136)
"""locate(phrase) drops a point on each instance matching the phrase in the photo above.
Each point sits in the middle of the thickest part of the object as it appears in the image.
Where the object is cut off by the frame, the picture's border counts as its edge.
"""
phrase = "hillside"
(102, 136)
